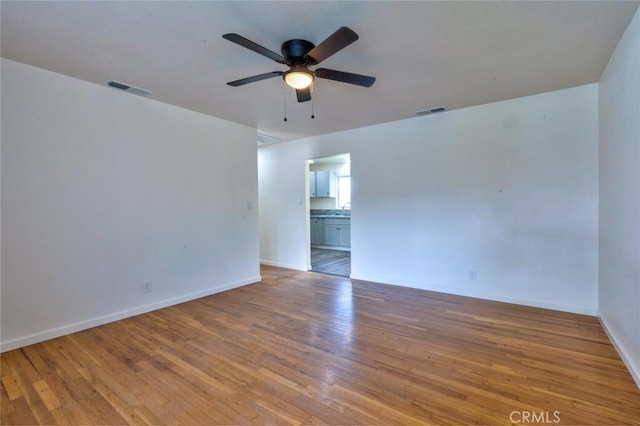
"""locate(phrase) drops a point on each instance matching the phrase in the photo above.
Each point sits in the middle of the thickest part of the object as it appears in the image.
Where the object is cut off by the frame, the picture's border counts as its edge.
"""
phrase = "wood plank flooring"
(335, 262)
(302, 347)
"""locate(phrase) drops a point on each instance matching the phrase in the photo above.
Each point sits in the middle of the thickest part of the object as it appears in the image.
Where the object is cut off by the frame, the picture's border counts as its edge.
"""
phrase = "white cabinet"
(322, 184)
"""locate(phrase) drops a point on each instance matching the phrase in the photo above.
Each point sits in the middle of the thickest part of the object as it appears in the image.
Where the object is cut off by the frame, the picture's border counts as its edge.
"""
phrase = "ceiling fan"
(299, 55)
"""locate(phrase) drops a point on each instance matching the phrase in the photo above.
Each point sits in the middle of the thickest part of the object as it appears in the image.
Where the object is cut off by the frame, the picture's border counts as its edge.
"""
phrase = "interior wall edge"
(619, 198)
(284, 265)
(104, 192)
(543, 152)
(478, 295)
(634, 369)
(41, 336)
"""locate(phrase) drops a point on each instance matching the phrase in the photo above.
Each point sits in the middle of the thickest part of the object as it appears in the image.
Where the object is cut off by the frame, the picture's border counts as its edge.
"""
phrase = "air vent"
(128, 88)
(431, 111)
(265, 139)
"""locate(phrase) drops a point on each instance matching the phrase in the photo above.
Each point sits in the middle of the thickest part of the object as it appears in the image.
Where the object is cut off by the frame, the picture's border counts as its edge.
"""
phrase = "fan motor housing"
(294, 50)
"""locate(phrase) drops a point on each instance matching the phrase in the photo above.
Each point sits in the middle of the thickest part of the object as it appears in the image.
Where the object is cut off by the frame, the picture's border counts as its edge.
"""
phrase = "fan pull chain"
(284, 98)
(312, 114)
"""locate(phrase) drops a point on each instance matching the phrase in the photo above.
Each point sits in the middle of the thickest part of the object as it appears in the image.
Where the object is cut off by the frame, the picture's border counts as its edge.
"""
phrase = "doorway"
(330, 214)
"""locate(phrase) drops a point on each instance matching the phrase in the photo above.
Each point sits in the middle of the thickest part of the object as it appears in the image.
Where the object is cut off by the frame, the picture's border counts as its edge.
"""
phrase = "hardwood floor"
(302, 347)
(335, 262)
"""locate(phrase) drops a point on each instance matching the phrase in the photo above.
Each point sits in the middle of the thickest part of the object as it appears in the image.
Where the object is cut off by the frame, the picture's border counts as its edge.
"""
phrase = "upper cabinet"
(322, 184)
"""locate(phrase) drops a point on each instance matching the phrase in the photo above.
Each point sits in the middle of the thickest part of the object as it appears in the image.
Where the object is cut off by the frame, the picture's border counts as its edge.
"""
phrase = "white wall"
(508, 189)
(619, 281)
(102, 191)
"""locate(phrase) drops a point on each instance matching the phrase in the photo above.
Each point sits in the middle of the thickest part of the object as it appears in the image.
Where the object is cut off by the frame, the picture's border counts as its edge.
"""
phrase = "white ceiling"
(424, 54)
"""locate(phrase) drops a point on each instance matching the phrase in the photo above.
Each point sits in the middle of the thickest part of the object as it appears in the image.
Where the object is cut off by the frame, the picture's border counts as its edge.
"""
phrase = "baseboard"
(478, 295)
(634, 369)
(284, 265)
(116, 316)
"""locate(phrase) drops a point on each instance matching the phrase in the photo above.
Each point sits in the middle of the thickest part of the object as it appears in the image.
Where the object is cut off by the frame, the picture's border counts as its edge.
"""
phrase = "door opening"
(330, 214)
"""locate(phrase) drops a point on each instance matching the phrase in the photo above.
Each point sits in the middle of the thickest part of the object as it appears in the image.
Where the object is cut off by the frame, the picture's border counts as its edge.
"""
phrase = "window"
(344, 192)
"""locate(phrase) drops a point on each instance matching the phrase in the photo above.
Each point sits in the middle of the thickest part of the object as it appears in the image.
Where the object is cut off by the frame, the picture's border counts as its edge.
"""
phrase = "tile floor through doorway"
(335, 262)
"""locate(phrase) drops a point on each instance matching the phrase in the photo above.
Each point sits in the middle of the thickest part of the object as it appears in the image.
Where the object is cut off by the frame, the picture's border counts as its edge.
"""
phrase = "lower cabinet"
(337, 235)
(345, 236)
(331, 235)
(317, 231)
(331, 232)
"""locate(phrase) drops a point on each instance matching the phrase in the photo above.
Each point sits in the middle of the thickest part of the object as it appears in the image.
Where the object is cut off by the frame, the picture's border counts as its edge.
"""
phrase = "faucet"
(344, 206)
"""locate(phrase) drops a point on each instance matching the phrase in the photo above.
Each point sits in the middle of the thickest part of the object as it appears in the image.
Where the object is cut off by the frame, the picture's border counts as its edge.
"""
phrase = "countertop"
(334, 216)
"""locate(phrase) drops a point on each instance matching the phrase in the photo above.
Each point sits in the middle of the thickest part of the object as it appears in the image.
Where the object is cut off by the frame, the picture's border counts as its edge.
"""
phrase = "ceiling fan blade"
(345, 77)
(304, 95)
(258, 77)
(335, 42)
(238, 39)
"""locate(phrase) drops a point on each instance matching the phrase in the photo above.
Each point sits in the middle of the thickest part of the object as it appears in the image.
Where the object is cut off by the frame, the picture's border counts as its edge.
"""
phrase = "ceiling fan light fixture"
(299, 55)
(298, 78)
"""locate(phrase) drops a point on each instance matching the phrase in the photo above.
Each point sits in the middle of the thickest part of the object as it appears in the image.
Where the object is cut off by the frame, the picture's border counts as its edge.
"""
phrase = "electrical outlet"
(473, 275)
(146, 287)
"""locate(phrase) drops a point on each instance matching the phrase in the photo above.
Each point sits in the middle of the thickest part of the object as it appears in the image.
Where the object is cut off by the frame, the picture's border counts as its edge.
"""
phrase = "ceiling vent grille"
(265, 139)
(128, 88)
(431, 111)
